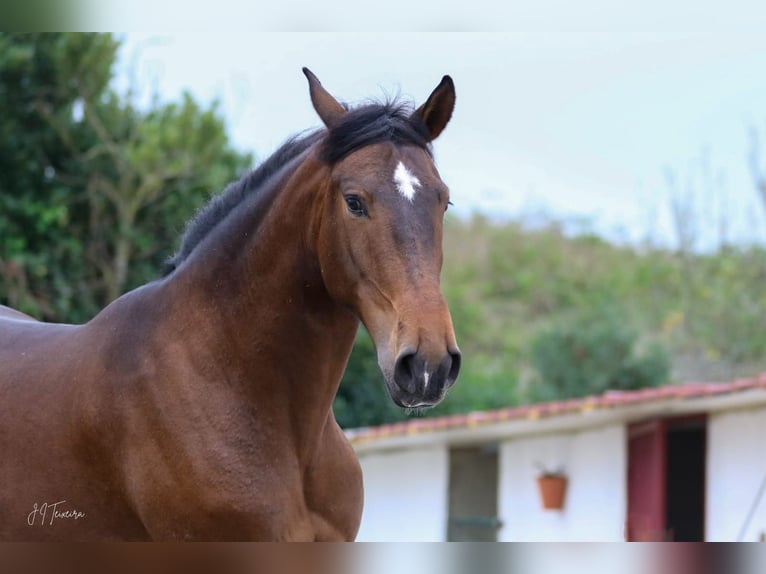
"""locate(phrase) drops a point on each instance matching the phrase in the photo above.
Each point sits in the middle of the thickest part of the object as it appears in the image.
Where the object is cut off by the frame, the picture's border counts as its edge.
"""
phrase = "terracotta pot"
(552, 491)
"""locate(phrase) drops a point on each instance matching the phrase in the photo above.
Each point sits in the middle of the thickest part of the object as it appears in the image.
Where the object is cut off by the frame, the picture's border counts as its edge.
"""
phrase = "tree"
(34, 206)
(592, 352)
(94, 190)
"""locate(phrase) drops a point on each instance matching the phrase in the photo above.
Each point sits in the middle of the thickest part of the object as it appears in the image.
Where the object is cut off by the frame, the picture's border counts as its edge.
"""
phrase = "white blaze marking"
(405, 181)
(425, 377)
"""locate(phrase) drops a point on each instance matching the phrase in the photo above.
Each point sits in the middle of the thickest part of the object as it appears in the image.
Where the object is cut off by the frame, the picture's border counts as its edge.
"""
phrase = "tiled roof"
(608, 400)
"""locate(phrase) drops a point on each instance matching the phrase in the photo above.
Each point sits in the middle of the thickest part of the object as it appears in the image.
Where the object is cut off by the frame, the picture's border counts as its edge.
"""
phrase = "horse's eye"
(446, 207)
(356, 205)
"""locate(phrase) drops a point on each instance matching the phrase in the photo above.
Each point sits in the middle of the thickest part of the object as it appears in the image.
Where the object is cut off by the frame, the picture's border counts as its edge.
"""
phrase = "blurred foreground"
(385, 558)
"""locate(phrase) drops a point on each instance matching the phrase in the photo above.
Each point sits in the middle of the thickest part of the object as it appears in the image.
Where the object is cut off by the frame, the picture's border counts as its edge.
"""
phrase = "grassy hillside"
(515, 293)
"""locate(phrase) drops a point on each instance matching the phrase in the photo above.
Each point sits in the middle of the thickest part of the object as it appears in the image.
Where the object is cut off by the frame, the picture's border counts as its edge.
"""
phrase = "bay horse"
(199, 406)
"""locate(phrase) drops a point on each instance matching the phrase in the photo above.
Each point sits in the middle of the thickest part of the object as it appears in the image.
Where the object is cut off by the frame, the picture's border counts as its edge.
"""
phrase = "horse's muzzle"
(419, 382)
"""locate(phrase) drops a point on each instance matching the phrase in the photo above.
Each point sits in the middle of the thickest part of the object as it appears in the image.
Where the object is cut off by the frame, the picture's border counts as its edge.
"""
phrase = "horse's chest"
(273, 497)
(334, 494)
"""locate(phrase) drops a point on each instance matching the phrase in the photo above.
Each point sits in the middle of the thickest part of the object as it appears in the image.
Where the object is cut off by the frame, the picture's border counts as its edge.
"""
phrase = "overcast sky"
(581, 125)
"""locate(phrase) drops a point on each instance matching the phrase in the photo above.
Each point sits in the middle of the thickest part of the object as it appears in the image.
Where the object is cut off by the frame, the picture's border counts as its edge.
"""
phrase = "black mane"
(366, 125)
(216, 210)
(374, 123)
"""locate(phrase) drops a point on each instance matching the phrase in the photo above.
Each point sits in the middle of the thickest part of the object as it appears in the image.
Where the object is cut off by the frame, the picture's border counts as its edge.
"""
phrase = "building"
(683, 462)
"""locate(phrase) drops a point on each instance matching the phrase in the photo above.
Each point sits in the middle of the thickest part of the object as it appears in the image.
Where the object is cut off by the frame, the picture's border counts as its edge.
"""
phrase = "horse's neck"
(264, 314)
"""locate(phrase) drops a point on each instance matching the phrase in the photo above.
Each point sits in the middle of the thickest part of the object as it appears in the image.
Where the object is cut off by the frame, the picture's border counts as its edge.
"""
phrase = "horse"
(199, 406)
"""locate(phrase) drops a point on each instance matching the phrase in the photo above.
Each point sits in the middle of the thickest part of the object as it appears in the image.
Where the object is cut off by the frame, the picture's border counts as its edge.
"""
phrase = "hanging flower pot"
(553, 488)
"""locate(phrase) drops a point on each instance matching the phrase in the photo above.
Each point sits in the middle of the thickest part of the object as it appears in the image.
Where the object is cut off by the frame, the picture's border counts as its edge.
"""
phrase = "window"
(473, 494)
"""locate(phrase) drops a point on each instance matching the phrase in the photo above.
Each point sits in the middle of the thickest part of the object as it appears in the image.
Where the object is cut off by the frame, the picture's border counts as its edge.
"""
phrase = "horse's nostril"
(454, 367)
(413, 375)
(404, 372)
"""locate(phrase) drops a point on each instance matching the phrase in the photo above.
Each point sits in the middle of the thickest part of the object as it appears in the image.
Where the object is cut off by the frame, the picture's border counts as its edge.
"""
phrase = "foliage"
(708, 310)
(93, 190)
(35, 208)
(592, 352)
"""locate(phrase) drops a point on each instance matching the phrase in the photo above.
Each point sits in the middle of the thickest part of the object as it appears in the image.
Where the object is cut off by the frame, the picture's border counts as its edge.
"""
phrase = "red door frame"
(647, 477)
(647, 448)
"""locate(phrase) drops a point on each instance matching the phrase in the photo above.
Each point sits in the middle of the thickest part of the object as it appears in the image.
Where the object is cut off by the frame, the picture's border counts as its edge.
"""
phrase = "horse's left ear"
(437, 110)
(327, 107)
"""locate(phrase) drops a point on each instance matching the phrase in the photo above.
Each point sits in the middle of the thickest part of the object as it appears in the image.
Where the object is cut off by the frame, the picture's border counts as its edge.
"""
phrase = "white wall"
(596, 499)
(736, 466)
(405, 495)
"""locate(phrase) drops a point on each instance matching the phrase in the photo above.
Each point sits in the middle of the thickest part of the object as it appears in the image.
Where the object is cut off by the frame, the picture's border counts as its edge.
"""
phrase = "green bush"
(591, 352)
(486, 382)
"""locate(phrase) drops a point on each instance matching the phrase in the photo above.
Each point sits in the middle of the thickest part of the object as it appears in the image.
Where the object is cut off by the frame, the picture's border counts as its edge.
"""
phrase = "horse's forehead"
(403, 169)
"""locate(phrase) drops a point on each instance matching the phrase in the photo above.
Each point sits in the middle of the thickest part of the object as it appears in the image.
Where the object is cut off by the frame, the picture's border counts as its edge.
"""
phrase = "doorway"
(473, 494)
(666, 480)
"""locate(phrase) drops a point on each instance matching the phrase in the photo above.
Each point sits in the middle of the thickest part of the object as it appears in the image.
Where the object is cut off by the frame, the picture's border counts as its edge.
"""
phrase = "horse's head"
(380, 240)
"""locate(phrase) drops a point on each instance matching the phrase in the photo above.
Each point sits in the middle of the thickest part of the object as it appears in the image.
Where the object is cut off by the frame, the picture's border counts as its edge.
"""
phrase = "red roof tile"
(610, 399)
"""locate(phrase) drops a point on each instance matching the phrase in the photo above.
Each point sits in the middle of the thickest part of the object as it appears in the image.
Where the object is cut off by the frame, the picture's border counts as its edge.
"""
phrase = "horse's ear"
(328, 108)
(437, 110)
